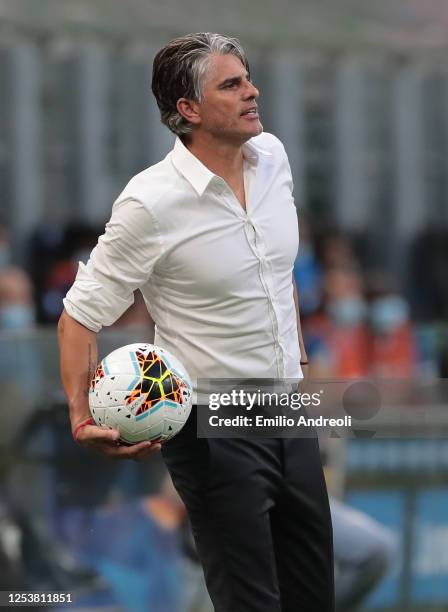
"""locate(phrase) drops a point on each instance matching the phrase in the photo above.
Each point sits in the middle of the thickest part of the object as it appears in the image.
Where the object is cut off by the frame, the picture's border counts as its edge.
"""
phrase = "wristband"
(88, 421)
(304, 362)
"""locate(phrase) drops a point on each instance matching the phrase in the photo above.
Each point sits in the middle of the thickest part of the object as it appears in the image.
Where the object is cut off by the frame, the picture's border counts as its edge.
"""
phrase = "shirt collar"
(252, 152)
(198, 175)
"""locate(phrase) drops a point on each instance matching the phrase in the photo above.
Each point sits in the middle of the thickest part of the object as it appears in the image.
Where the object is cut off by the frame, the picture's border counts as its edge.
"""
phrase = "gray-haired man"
(209, 235)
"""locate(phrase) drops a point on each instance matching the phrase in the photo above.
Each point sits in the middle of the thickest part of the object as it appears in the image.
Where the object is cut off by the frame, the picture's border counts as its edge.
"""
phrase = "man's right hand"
(79, 356)
(107, 442)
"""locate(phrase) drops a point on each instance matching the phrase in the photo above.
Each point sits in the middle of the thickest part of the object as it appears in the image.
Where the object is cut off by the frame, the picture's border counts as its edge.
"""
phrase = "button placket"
(266, 281)
(253, 239)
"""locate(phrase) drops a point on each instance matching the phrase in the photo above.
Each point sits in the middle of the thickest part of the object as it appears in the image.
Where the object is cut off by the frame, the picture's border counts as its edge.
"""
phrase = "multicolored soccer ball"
(143, 391)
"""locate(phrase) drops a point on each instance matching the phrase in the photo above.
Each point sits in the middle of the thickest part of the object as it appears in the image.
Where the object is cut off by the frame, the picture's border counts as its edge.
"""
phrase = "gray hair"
(179, 69)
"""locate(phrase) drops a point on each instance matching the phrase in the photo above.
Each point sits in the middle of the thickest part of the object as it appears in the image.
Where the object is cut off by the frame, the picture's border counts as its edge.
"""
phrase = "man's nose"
(251, 91)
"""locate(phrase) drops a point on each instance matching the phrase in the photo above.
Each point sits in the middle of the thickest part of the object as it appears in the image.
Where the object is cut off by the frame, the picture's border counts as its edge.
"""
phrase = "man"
(209, 235)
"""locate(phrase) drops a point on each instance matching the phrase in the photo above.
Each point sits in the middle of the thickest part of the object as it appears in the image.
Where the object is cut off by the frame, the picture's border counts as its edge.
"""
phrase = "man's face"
(228, 110)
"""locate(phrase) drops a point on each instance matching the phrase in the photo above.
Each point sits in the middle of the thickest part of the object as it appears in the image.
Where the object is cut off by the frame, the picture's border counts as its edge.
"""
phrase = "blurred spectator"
(20, 362)
(45, 249)
(336, 250)
(16, 300)
(363, 552)
(54, 259)
(393, 351)
(337, 336)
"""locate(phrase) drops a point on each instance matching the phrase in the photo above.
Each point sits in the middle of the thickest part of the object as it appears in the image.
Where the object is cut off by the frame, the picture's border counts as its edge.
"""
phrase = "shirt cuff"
(81, 317)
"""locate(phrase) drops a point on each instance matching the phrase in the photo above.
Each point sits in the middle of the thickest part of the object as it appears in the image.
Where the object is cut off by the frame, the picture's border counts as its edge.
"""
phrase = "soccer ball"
(143, 391)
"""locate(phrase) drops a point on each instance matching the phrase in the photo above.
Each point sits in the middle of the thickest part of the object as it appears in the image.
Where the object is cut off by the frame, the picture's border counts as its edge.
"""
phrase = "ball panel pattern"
(142, 390)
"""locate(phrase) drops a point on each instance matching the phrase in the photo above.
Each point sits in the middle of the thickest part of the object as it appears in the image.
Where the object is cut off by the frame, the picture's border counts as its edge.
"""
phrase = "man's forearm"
(78, 359)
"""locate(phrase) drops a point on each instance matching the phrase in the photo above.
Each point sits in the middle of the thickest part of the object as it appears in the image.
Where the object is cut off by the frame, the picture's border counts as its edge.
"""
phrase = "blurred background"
(358, 93)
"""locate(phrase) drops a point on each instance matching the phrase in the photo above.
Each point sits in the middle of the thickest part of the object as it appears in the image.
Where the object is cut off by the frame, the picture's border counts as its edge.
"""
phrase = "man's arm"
(303, 355)
(78, 359)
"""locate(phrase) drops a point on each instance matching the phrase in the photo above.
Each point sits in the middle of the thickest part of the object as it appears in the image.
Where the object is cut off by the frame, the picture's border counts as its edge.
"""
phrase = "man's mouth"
(250, 111)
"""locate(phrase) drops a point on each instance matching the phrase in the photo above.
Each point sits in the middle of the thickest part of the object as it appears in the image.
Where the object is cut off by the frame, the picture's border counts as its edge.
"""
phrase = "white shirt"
(217, 280)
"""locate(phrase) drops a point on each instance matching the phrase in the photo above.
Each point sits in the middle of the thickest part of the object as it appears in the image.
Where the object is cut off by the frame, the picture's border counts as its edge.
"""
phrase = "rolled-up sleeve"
(121, 262)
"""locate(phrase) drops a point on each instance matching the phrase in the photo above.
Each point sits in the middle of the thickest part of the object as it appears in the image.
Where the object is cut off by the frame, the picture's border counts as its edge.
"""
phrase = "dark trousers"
(260, 517)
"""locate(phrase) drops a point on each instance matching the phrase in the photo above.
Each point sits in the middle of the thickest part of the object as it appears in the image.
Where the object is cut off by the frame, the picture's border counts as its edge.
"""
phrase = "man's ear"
(189, 109)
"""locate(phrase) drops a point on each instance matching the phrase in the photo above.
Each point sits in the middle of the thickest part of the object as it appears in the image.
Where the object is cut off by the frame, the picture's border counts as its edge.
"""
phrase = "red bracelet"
(88, 421)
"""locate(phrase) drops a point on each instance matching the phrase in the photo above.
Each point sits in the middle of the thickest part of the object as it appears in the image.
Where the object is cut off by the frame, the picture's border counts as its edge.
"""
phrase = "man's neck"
(222, 158)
